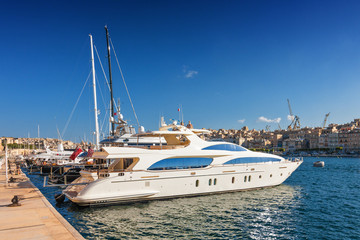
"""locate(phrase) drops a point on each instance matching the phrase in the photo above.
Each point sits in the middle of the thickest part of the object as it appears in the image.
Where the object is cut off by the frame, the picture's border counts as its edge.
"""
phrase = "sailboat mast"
(110, 79)
(94, 88)
(38, 136)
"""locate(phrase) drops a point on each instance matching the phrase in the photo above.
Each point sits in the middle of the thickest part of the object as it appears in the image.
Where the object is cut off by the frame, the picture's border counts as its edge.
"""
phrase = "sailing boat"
(123, 134)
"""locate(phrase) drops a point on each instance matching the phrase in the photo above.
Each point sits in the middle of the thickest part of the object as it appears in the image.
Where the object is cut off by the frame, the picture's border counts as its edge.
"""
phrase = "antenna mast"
(111, 88)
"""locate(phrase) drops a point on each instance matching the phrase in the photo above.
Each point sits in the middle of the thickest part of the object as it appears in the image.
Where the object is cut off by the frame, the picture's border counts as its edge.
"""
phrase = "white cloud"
(190, 73)
(241, 121)
(267, 120)
(290, 118)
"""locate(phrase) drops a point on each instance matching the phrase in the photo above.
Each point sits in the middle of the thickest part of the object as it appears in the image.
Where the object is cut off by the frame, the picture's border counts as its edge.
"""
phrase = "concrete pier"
(35, 218)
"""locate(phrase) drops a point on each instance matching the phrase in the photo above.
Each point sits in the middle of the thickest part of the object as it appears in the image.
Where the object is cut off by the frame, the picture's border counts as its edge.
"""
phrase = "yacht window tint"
(210, 182)
(252, 160)
(180, 163)
(226, 147)
(215, 181)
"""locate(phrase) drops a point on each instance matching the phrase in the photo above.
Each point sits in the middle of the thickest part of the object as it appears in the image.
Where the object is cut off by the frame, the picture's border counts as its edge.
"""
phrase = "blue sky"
(228, 63)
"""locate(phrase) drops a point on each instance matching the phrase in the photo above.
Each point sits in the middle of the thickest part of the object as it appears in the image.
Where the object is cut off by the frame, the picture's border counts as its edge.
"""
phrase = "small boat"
(319, 164)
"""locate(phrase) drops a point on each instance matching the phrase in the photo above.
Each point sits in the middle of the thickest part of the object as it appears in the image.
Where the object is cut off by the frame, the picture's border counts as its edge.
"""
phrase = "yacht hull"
(154, 185)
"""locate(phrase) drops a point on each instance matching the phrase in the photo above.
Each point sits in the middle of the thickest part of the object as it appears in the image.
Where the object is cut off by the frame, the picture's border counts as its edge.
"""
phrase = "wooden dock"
(35, 218)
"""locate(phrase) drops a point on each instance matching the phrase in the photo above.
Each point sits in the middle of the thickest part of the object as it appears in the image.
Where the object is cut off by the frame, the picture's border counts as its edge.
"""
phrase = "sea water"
(313, 203)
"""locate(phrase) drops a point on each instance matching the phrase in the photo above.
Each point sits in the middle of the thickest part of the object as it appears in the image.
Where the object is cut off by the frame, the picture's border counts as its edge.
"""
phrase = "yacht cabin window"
(181, 163)
(252, 160)
(226, 147)
(119, 164)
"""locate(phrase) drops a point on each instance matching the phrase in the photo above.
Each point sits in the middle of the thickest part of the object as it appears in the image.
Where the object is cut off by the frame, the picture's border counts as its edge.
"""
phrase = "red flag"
(178, 109)
(75, 153)
(90, 152)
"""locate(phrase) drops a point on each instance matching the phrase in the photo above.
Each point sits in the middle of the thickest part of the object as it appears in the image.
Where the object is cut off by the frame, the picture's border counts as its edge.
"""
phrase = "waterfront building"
(343, 139)
(333, 140)
(291, 145)
(334, 136)
(353, 140)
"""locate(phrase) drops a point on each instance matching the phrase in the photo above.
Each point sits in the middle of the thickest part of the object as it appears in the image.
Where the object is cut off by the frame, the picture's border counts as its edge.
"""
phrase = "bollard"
(15, 201)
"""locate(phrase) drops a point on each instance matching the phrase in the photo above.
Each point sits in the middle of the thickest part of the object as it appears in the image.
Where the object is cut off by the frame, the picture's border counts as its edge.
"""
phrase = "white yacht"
(51, 156)
(186, 166)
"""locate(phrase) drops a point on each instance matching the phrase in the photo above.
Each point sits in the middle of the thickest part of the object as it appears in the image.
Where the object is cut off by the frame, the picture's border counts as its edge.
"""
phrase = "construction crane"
(295, 123)
(291, 114)
(326, 117)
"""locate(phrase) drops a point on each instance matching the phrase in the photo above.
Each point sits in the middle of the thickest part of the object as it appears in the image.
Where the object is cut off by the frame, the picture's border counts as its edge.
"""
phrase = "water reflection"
(251, 214)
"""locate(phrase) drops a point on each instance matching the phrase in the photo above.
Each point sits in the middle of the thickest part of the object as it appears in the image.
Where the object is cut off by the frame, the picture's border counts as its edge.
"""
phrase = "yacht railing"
(295, 159)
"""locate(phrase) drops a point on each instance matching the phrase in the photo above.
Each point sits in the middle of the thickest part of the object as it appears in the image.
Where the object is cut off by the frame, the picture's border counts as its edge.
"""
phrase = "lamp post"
(6, 164)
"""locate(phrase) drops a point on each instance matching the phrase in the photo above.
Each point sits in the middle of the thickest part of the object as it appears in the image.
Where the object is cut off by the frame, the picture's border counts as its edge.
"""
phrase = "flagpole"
(182, 114)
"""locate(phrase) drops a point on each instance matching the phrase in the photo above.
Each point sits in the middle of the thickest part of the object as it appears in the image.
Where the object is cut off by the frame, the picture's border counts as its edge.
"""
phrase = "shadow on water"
(314, 203)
